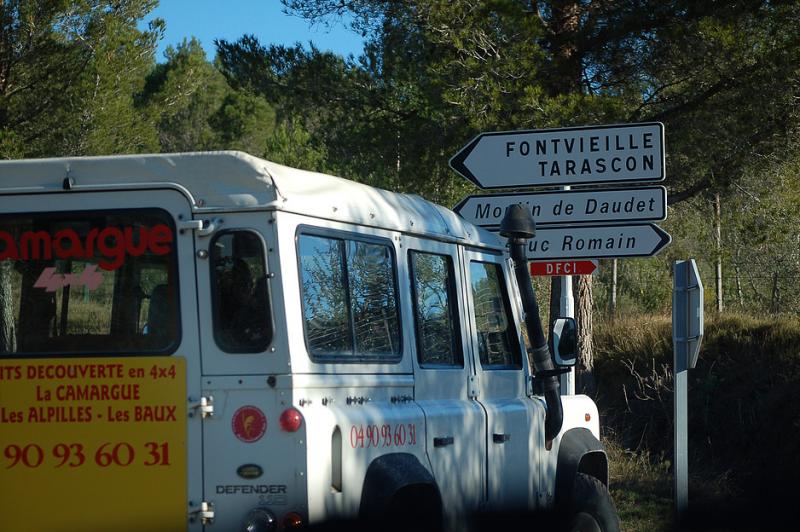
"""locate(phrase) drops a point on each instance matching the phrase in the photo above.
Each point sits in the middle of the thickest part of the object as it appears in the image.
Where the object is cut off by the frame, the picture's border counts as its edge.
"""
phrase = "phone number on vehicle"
(366, 436)
(73, 455)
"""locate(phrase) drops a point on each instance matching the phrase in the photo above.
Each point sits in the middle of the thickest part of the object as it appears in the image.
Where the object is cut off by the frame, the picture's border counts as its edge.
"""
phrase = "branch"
(677, 197)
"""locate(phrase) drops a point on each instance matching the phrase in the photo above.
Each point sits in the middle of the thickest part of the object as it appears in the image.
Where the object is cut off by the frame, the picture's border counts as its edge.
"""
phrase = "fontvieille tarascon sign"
(633, 152)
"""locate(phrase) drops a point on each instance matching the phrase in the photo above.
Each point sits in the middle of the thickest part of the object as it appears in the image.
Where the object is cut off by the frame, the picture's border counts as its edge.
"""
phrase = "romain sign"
(570, 156)
(597, 242)
(570, 206)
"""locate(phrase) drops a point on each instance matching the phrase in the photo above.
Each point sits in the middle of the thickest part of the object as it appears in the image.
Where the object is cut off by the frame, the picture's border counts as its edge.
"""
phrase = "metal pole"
(680, 325)
(566, 309)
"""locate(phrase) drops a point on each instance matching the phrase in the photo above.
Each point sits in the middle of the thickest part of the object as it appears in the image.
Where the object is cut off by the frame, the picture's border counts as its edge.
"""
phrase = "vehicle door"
(98, 295)
(511, 436)
(236, 267)
(240, 311)
(443, 372)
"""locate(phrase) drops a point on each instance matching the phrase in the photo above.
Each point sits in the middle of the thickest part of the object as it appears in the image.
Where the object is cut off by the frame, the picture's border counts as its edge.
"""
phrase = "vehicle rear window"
(88, 282)
(349, 299)
(242, 321)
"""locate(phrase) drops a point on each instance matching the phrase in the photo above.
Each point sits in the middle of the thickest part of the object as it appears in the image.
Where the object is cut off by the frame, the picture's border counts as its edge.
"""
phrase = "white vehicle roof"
(232, 180)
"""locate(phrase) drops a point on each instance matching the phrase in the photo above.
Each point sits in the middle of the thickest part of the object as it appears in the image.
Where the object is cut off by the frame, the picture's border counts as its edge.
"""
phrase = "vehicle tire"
(591, 508)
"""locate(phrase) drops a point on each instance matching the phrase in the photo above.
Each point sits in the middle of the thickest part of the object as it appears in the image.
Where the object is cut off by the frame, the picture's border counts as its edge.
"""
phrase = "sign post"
(687, 334)
(566, 309)
(572, 224)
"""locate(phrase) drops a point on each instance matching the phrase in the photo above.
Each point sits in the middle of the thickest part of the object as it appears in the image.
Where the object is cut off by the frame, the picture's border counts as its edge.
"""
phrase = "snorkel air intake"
(518, 226)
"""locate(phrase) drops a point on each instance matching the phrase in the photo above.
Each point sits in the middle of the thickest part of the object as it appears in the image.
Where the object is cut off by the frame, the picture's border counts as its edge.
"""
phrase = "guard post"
(687, 334)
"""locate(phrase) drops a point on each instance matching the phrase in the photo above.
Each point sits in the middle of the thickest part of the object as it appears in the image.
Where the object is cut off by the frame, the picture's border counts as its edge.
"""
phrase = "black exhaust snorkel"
(518, 226)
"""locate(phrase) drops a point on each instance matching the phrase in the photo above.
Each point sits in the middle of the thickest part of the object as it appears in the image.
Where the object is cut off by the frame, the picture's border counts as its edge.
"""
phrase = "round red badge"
(249, 424)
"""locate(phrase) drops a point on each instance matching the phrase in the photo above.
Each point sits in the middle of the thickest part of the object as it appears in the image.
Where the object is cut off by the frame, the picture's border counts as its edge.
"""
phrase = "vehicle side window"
(498, 344)
(435, 313)
(349, 299)
(241, 307)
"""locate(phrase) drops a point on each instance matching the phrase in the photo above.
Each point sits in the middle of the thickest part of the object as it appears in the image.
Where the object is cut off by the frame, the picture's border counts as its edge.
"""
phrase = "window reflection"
(349, 298)
(434, 310)
(497, 341)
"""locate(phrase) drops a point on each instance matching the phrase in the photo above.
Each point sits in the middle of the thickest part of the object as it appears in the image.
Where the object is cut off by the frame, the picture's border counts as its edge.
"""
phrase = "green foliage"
(69, 72)
(292, 146)
(195, 109)
(760, 248)
(762, 241)
(243, 122)
(372, 127)
(181, 95)
(722, 76)
(79, 78)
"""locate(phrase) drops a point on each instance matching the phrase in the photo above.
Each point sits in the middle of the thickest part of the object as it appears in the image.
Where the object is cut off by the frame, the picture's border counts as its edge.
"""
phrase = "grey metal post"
(687, 334)
(681, 437)
(566, 309)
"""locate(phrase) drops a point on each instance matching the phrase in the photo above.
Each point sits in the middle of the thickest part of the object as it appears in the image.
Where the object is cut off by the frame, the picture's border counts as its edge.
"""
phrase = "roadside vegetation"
(744, 423)
(641, 487)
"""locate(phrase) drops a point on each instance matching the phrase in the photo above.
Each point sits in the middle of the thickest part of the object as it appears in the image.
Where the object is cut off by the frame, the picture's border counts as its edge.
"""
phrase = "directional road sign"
(597, 242)
(570, 156)
(564, 267)
(687, 313)
(570, 206)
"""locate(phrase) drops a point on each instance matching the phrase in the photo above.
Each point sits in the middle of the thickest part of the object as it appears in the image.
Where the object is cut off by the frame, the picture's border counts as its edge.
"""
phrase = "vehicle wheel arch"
(397, 482)
(579, 452)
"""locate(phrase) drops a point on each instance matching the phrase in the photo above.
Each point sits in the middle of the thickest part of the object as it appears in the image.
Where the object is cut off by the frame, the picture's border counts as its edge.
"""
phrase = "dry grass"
(641, 488)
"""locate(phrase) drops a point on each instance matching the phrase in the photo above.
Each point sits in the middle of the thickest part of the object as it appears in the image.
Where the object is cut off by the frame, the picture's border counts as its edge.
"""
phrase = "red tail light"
(292, 521)
(291, 420)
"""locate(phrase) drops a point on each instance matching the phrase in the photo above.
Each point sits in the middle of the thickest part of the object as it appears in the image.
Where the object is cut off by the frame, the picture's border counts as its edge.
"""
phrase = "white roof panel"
(231, 180)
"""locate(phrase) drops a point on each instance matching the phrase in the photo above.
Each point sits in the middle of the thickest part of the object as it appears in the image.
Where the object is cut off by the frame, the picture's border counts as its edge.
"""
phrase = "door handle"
(500, 438)
(443, 442)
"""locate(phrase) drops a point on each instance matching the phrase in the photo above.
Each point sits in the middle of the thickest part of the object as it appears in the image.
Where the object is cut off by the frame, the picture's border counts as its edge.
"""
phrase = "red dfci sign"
(564, 267)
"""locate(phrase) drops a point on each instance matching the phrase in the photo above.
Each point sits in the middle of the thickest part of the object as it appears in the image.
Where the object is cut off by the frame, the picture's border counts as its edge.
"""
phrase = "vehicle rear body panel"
(232, 440)
(109, 429)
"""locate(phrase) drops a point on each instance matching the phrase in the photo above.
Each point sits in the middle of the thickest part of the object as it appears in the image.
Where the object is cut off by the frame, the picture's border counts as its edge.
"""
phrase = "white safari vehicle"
(210, 341)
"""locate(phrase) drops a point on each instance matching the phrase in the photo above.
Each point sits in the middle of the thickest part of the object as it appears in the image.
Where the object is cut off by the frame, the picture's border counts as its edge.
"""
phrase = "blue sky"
(230, 19)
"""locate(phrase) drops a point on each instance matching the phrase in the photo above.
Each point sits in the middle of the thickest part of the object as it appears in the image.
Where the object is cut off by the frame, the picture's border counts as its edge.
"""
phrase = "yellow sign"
(93, 444)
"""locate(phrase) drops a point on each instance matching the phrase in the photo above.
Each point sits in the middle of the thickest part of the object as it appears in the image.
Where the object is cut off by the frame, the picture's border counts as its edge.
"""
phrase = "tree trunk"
(585, 381)
(738, 273)
(564, 23)
(775, 300)
(718, 244)
(612, 304)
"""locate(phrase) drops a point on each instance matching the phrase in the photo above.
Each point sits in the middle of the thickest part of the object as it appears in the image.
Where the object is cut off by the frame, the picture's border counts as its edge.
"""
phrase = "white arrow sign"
(570, 156)
(597, 242)
(570, 206)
